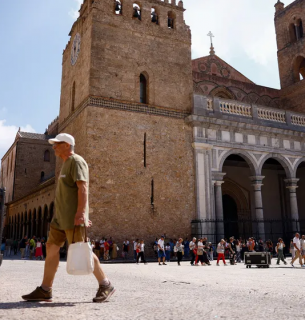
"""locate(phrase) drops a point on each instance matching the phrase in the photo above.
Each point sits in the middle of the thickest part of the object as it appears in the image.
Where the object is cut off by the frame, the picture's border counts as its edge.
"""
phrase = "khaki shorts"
(59, 237)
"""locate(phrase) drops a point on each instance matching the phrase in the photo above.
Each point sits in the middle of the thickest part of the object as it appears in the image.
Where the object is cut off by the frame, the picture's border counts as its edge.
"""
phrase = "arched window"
(299, 69)
(154, 16)
(301, 28)
(292, 33)
(136, 11)
(296, 31)
(46, 156)
(118, 7)
(73, 97)
(143, 88)
(171, 20)
(41, 176)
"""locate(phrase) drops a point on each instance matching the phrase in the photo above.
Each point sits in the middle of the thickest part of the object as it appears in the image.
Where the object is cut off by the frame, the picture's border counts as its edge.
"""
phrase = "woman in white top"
(199, 255)
(280, 251)
(180, 249)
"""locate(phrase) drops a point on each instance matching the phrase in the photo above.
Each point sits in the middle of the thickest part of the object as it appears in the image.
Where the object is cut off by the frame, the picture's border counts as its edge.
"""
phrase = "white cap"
(63, 137)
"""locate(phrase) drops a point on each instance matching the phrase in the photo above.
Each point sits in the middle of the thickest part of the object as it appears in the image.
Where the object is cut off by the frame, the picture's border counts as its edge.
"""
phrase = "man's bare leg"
(98, 271)
(50, 266)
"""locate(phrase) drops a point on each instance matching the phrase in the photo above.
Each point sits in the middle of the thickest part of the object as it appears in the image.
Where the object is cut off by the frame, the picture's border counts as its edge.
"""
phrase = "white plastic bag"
(80, 259)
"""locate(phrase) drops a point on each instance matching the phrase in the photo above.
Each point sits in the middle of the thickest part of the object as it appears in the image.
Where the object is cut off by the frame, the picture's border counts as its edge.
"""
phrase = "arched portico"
(243, 154)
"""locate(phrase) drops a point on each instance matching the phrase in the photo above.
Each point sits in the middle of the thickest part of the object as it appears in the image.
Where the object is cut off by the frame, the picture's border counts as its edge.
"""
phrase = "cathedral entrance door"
(230, 217)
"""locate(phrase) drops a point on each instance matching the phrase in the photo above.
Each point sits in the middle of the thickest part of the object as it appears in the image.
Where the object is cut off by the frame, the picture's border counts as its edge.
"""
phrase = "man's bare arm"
(82, 200)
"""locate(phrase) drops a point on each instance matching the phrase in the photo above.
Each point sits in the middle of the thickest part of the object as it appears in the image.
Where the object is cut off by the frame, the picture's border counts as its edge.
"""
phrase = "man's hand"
(79, 218)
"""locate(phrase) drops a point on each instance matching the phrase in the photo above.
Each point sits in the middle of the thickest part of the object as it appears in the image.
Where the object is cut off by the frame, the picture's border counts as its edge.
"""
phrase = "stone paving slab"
(157, 292)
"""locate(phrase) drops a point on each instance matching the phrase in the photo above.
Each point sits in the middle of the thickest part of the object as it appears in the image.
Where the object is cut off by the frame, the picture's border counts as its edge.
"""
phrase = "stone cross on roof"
(212, 51)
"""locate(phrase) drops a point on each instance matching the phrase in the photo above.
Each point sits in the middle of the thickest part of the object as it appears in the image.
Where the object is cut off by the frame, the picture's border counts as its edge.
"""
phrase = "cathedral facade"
(175, 146)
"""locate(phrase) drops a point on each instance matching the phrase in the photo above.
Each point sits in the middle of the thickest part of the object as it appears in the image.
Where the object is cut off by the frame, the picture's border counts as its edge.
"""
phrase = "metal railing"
(215, 229)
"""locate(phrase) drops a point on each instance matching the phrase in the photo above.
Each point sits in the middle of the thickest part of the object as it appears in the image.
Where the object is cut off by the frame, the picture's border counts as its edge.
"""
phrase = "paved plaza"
(157, 292)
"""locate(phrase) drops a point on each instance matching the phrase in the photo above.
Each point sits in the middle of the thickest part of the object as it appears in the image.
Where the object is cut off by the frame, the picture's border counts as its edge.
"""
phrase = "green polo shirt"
(66, 197)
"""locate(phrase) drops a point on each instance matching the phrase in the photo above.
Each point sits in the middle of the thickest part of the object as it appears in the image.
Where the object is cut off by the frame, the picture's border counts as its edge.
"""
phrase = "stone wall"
(291, 52)
(120, 184)
(8, 172)
(30, 163)
(31, 213)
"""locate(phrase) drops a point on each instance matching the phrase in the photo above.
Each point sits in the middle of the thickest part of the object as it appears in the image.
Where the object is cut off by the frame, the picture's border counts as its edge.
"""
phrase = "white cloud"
(74, 11)
(8, 134)
(244, 32)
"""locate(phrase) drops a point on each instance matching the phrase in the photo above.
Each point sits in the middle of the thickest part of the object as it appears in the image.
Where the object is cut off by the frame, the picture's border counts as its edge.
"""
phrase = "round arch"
(243, 154)
(223, 92)
(296, 166)
(284, 162)
(234, 191)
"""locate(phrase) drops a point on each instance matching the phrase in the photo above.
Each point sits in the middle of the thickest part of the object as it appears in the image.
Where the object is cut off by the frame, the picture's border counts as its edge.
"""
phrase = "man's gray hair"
(71, 148)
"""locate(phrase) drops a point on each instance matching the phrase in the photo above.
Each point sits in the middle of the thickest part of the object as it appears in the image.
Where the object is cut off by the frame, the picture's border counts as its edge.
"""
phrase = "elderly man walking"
(71, 219)
(297, 249)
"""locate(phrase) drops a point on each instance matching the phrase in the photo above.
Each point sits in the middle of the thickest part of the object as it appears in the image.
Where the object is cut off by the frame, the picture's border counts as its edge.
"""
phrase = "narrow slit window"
(143, 89)
(73, 97)
(144, 150)
(152, 198)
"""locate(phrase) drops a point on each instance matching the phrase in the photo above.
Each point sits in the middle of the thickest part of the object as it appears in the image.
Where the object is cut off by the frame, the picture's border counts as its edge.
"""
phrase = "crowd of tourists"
(198, 251)
(28, 247)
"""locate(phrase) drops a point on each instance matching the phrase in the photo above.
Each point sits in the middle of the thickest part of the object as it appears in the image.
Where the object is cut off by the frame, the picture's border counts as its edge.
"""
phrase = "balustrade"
(235, 108)
(271, 115)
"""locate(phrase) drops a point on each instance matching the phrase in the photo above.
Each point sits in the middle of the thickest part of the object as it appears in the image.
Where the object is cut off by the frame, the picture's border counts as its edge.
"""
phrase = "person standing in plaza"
(280, 251)
(32, 247)
(251, 245)
(186, 248)
(106, 250)
(161, 251)
(179, 248)
(135, 246)
(193, 250)
(70, 220)
(168, 252)
(125, 249)
(291, 249)
(114, 252)
(238, 251)
(221, 252)
(302, 242)
(141, 253)
(297, 250)
(8, 246)
(22, 246)
(38, 252)
(232, 251)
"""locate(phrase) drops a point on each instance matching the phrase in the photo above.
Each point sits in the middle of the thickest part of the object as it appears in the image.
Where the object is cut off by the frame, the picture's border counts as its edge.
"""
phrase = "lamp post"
(2, 194)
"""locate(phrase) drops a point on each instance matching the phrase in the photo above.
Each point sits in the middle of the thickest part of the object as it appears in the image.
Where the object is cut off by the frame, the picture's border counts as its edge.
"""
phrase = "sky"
(34, 33)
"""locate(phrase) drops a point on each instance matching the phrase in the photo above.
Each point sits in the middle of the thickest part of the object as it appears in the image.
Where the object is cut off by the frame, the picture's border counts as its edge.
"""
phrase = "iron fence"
(215, 229)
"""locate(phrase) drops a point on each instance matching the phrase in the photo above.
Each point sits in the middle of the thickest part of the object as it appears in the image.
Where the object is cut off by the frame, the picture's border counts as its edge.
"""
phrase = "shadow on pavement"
(33, 305)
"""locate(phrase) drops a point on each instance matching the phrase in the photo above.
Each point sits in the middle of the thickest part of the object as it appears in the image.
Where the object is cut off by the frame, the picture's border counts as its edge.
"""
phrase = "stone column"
(203, 160)
(291, 185)
(256, 182)
(218, 177)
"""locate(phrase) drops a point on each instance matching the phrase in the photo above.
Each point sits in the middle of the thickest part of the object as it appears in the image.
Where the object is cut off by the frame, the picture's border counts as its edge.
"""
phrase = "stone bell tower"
(289, 26)
(119, 48)
(126, 90)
